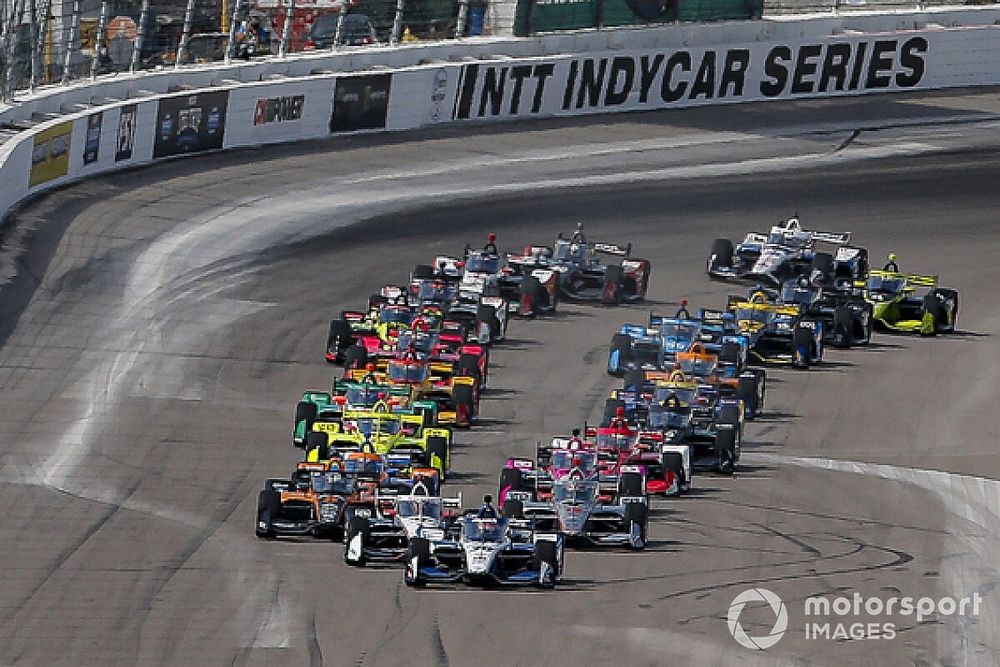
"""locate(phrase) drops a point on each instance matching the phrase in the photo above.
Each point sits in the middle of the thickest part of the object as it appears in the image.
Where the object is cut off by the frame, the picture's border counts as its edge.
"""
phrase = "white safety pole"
(45, 16)
(71, 42)
(463, 16)
(186, 35)
(286, 32)
(397, 22)
(340, 27)
(102, 26)
(139, 37)
(233, 20)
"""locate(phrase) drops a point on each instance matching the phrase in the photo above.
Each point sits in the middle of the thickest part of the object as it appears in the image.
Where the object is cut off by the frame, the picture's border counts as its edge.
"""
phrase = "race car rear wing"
(912, 279)
(776, 308)
(835, 238)
(613, 249)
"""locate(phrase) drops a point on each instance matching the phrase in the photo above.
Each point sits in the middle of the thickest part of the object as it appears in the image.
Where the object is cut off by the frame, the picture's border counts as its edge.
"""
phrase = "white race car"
(486, 549)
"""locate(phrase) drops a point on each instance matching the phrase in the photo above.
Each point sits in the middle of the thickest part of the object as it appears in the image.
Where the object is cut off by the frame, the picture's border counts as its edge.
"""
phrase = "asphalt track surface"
(163, 323)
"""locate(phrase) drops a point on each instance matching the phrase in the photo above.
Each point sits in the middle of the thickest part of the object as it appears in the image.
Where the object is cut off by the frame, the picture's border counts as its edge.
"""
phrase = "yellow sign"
(50, 156)
(326, 427)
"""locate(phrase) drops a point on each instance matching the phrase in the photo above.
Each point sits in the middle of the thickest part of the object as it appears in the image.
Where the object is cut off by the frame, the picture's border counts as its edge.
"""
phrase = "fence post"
(286, 31)
(233, 21)
(185, 35)
(102, 26)
(340, 27)
(38, 46)
(397, 22)
(463, 17)
(139, 37)
(71, 42)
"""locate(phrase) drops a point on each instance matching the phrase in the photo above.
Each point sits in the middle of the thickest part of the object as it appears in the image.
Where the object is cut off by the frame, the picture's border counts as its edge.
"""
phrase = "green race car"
(911, 303)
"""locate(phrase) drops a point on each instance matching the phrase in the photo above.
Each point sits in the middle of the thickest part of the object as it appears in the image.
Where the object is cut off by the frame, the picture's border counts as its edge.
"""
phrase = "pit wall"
(129, 134)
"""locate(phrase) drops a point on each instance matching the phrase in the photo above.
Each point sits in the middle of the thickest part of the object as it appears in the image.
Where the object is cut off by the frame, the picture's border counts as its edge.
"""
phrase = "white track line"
(970, 564)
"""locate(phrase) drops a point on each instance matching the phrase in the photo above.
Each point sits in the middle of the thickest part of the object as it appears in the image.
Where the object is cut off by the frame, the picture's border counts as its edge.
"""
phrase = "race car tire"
(338, 339)
(268, 507)
(533, 297)
(673, 462)
(428, 416)
(637, 514)
(358, 525)
(611, 406)
(949, 322)
(513, 509)
(729, 414)
(622, 344)
(547, 552)
(843, 326)
(464, 400)
(511, 479)
(614, 282)
(320, 441)
(747, 389)
(823, 262)
(629, 283)
(630, 485)
(437, 450)
(642, 288)
(418, 548)
(802, 345)
(730, 353)
(422, 272)
(634, 380)
(720, 256)
(468, 365)
(305, 411)
(761, 389)
(488, 315)
(869, 322)
(375, 301)
(726, 450)
(355, 357)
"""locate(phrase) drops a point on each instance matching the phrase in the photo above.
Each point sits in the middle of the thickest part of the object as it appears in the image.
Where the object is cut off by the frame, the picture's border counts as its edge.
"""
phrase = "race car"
(911, 303)
(384, 433)
(576, 510)
(677, 334)
(846, 316)
(584, 277)
(780, 334)
(787, 251)
(314, 501)
(675, 412)
(385, 535)
(486, 549)
(635, 347)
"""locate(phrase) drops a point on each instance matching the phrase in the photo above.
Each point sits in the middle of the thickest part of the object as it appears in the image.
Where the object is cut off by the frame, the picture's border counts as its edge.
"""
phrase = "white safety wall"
(126, 135)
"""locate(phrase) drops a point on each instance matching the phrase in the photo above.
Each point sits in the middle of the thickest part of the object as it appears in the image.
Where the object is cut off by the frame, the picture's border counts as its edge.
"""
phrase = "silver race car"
(486, 549)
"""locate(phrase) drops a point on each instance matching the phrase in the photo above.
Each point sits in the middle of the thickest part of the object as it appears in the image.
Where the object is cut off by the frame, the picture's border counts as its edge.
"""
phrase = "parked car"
(356, 30)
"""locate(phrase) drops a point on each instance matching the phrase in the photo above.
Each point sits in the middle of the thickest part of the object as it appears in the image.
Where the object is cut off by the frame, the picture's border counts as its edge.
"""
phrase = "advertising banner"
(92, 147)
(278, 109)
(190, 123)
(126, 133)
(683, 77)
(360, 103)
(50, 155)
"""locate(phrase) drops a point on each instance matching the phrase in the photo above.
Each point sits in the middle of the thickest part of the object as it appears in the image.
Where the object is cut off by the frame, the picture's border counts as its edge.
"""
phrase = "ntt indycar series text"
(688, 76)
(845, 618)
